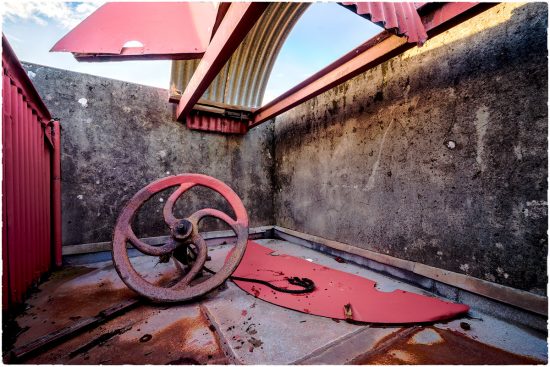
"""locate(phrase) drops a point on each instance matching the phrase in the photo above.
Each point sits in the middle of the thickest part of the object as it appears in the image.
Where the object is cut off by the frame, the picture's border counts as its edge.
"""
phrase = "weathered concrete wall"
(438, 156)
(117, 137)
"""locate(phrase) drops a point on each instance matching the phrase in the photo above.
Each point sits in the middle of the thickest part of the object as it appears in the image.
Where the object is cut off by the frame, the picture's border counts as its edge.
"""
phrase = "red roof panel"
(142, 30)
(401, 16)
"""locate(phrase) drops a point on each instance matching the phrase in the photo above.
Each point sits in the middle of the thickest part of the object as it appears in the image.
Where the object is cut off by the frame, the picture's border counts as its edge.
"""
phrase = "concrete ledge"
(89, 248)
(515, 297)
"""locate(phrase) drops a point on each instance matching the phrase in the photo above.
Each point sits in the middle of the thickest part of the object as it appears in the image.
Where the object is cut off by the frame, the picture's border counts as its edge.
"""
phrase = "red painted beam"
(436, 18)
(56, 192)
(237, 22)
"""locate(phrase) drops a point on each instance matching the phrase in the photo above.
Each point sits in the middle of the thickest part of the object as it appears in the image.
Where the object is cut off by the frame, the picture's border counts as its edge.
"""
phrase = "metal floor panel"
(231, 326)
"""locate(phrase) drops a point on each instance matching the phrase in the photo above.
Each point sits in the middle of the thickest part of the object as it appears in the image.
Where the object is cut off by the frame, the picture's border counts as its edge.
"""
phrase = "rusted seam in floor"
(223, 343)
(103, 338)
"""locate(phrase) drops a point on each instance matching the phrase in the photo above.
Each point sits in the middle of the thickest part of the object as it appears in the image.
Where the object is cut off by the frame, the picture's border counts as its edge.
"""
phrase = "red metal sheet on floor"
(179, 30)
(334, 289)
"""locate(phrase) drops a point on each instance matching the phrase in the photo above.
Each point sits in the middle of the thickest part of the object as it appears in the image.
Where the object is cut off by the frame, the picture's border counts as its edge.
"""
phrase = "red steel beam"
(56, 192)
(436, 18)
(237, 22)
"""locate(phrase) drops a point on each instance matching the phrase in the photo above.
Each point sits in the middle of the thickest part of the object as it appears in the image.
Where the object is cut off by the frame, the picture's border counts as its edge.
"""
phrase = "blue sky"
(325, 32)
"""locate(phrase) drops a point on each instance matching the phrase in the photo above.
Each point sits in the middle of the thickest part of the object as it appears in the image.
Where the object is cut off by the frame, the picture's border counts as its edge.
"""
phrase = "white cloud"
(67, 15)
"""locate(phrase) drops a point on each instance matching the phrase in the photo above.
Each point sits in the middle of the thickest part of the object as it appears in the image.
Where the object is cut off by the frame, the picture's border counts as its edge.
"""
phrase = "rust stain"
(174, 344)
(48, 314)
(450, 347)
(141, 337)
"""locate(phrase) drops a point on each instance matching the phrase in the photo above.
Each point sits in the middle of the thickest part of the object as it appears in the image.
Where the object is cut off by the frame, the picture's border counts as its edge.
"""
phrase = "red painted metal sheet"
(209, 122)
(160, 30)
(27, 153)
(401, 16)
(7, 187)
(334, 290)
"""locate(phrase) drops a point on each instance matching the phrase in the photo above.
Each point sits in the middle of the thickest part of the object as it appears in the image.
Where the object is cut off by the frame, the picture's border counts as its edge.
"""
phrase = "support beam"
(237, 22)
(436, 18)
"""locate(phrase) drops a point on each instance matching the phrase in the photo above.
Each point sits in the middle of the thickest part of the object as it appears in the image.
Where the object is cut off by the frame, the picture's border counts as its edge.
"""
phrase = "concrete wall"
(438, 156)
(117, 137)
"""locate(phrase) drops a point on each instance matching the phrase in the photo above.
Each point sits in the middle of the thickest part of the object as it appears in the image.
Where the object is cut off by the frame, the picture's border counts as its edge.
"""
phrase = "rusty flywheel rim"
(183, 232)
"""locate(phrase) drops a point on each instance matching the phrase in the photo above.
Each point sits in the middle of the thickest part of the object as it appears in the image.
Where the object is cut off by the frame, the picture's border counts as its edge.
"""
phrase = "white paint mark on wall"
(370, 182)
(464, 267)
(481, 122)
(83, 102)
(126, 109)
(537, 203)
(80, 197)
(450, 144)
(162, 153)
(536, 209)
(517, 152)
(406, 92)
(161, 200)
(31, 74)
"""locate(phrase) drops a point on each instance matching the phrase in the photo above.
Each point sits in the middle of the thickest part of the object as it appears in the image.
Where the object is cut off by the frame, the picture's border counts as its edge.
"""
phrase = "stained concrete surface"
(118, 137)
(231, 326)
(438, 156)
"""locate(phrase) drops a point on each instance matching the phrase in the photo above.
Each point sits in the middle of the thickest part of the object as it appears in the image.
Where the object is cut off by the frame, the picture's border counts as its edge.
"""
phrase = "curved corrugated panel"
(243, 79)
(198, 120)
(400, 16)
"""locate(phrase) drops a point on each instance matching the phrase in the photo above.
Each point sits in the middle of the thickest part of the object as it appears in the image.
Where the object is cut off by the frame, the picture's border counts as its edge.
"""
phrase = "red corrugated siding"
(401, 16)
(209, 122)
(26, 184)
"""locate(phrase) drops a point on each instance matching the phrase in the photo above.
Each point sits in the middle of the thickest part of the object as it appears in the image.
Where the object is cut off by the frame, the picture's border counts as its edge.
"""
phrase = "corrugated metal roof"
(402, 17)
(243, 79)
(142, 30)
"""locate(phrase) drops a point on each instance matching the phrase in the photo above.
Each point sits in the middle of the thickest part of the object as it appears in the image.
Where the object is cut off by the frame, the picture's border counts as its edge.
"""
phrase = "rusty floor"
(230, 326)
